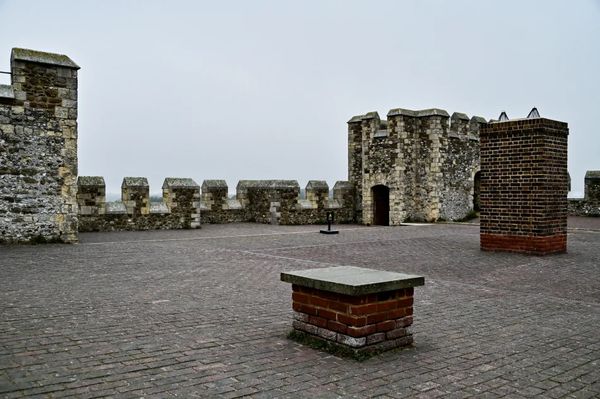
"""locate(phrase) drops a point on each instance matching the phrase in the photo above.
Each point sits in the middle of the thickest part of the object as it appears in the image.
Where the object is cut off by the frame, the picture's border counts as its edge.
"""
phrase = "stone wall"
(258, 201)
(38, 149)
(276, 202)
(524, 185)
(179, 209)
(590, 204)
(426, 159)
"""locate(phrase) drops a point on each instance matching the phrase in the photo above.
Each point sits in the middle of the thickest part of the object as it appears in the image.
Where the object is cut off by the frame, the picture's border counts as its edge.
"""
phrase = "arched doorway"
(381, 205)
(476, 191)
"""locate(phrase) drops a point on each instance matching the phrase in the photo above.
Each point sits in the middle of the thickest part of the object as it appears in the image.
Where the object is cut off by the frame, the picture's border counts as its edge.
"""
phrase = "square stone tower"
(38, 149)
(524, 186)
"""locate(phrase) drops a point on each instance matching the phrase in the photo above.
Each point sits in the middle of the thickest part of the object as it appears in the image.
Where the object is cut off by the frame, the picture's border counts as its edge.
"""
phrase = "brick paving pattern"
(202, 313)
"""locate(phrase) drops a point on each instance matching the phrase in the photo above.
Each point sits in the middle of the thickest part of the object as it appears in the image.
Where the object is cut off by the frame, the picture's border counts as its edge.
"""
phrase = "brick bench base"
(357, 309)
(372, 322)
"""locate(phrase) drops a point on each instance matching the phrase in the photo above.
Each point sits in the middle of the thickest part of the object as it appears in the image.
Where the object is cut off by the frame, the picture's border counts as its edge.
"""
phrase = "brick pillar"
(524, 186)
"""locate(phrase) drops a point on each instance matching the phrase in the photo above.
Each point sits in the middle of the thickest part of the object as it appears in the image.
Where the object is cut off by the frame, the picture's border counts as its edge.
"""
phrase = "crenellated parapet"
(179, 208)
(184, 203)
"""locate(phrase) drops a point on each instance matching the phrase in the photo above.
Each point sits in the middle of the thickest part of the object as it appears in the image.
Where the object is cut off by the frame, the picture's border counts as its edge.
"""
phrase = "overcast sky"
(263, 89)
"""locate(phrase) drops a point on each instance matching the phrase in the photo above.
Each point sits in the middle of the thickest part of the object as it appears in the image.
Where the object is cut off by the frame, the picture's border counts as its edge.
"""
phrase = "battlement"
(262, 201)
(457, 126)
(179, 209)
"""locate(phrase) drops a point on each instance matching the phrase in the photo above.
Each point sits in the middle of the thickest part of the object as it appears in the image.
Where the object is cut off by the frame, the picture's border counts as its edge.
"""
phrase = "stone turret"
(38, 176)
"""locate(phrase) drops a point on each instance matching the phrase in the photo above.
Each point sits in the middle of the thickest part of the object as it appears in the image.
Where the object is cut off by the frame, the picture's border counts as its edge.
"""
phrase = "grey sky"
(263, 89)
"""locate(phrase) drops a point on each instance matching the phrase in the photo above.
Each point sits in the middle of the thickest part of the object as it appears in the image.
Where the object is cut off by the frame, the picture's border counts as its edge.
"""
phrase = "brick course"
(360, 322)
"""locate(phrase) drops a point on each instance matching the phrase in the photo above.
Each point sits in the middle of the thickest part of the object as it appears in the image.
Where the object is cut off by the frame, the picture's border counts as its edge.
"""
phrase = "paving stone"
(202, 313)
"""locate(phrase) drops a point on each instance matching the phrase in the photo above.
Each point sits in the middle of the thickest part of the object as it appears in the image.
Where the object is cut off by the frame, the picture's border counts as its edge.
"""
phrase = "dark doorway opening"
(381, 205)
(476, 191)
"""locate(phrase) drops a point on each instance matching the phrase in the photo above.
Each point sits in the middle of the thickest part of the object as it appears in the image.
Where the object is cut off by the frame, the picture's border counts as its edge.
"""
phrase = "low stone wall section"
(590, 204)
(257, 201)
(179, 209)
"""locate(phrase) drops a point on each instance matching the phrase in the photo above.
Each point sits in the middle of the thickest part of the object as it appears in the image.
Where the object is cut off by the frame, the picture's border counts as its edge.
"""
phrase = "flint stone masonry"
(427, 159)
(358, 309)
(590, 204)
(262, 201)
(276, 201)
(135, 194)
(38, 149)
(524, 185)
(180, 208)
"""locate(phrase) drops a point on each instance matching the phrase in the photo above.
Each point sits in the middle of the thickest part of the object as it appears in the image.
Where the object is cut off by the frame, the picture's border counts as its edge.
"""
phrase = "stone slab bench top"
(351, 280)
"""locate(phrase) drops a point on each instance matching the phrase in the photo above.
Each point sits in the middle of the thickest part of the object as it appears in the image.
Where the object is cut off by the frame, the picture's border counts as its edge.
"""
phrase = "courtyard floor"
(202, 313)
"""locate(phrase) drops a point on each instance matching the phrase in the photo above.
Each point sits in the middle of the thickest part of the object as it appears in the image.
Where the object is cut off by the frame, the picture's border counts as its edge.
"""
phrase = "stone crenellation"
(179, 209)
(589, 205)
(259, 201)
(417, 165)
(38, 149)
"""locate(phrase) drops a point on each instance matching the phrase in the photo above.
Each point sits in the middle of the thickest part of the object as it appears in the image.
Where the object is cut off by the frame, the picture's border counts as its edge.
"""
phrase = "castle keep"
(414, 166)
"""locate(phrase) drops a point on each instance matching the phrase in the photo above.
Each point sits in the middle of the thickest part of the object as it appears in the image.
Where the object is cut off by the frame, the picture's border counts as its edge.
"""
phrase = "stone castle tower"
(414, 166)
(38, 149)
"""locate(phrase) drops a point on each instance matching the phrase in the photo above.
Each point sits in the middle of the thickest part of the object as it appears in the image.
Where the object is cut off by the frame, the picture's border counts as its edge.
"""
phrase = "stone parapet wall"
(184, 205)
(179, 209)
(38, 149)
(276, 202)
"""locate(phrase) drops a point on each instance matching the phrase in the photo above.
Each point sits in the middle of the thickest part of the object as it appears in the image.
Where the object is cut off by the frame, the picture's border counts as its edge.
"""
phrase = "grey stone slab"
(23, 54)
(460, 115)
(179, 182)
(214, 184)
(351, 280)
(90, 181)
(134, 182)
(478, 119)
(592, 174)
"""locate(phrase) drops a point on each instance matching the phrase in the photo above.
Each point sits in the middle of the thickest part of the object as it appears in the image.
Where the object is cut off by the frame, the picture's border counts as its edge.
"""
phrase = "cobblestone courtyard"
(202, 313)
